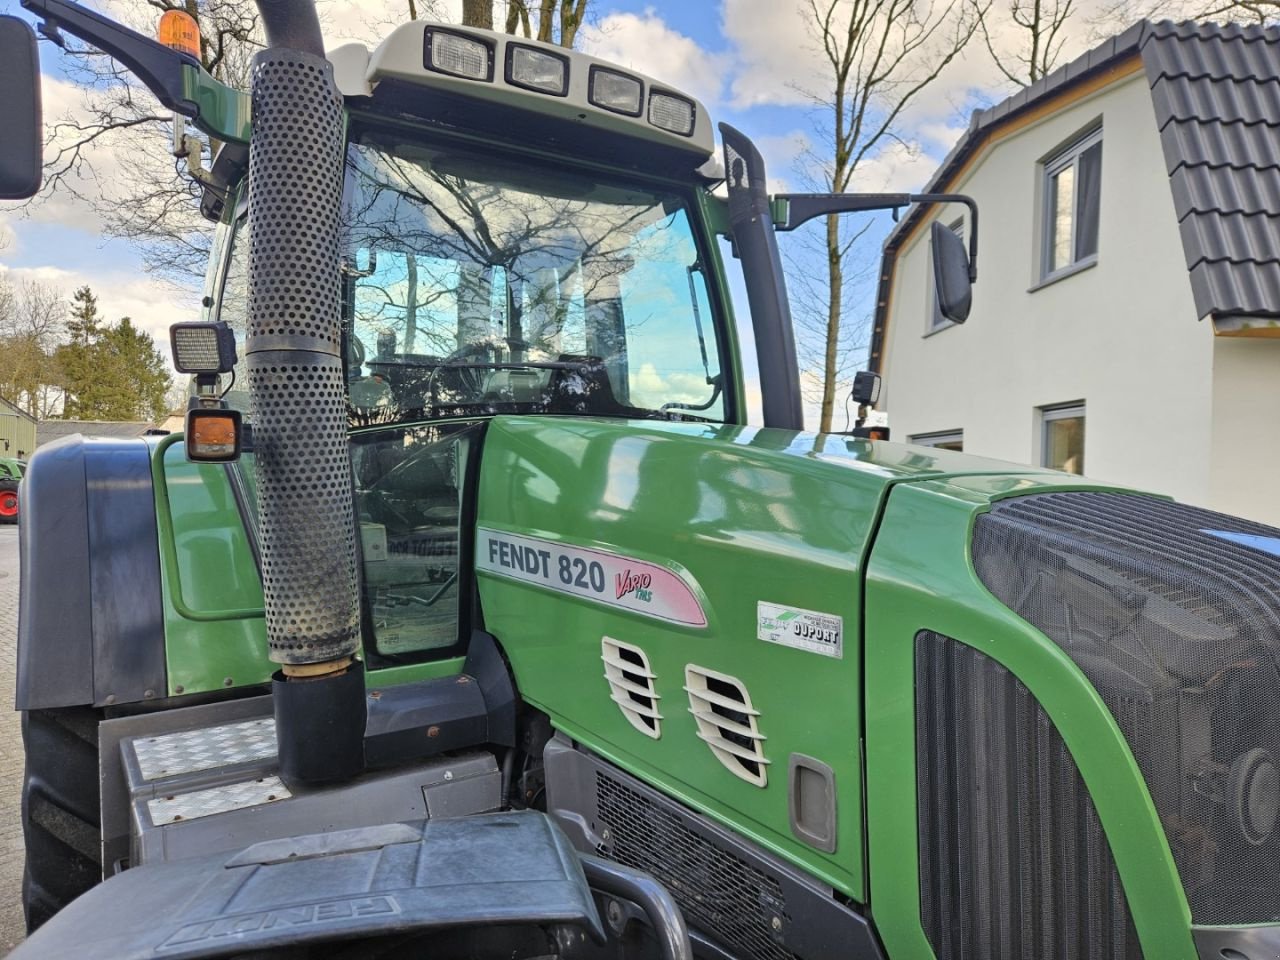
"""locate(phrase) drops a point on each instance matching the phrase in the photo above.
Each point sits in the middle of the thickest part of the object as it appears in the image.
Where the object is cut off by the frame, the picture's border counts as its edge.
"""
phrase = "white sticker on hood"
(803, 629)
(609, 578)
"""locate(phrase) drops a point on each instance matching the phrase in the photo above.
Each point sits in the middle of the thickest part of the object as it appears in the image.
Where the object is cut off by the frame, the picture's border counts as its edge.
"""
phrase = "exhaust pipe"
(310, 573)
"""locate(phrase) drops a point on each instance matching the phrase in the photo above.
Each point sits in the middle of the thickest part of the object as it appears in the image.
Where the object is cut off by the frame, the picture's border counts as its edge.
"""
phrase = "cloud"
(645, 43)
(151, 304)
(775, 57)
(906, 165)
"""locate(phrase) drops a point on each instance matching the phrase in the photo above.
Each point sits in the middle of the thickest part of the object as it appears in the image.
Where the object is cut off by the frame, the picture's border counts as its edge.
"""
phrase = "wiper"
(717, 381)
(696, 266)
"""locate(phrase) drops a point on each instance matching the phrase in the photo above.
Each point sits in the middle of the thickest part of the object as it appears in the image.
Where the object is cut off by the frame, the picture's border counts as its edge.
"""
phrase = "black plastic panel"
(394, 881)
(737, 899)
(1013, 860)
(90, 622)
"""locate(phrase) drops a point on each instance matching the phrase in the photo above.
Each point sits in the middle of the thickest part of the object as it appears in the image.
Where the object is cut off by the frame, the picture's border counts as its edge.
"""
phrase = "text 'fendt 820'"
(469, 617)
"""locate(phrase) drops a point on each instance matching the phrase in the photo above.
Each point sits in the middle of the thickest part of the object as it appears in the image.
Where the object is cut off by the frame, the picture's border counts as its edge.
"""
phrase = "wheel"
(8, 501)
(60, 819)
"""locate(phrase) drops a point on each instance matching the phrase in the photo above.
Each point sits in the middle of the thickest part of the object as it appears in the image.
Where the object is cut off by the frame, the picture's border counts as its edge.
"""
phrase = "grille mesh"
(721, 895)
(1013, 860)
(1173, 613)
(309, 575)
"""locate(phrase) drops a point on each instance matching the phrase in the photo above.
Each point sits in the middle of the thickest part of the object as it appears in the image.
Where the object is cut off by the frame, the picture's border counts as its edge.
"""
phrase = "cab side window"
(411, 493)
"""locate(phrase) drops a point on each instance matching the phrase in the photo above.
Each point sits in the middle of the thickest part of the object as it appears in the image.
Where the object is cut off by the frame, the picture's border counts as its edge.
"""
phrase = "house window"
(945, 440)
(1062, 437)
(936, 320)
(1073, 193)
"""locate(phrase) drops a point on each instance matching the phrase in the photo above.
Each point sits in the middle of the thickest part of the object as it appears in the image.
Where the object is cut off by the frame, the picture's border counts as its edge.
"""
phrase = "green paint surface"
(920, 578)
(214, 626)
(752, 515)
(224, 111)
(214, 631)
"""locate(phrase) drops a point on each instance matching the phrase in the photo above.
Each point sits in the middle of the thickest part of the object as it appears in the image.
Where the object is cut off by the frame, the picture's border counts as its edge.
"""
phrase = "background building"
(17, 431)
(1127, 310)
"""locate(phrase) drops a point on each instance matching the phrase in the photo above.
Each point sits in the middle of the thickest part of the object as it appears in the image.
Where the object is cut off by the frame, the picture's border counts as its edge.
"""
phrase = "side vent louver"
(727, 722)
(631, 685)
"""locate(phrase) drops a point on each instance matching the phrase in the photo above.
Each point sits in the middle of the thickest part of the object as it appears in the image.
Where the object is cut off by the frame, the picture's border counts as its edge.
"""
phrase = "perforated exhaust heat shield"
(309, 570)
(1173, 613)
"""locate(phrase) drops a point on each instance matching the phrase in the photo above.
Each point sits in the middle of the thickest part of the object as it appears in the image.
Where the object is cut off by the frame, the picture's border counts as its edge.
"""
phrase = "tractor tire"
(8, 501)
(61, 823)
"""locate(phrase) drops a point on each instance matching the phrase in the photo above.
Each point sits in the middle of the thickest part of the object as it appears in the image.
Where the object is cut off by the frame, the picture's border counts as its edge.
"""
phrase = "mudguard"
(89, 633)
(394, 879)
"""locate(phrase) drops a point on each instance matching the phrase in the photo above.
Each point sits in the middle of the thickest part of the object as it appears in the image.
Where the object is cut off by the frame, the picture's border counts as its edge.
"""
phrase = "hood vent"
(727, 722)
(631, 685)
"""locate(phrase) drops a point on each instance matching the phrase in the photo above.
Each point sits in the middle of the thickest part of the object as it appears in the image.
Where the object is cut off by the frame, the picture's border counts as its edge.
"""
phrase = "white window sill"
(946, 325)
(1078, 267)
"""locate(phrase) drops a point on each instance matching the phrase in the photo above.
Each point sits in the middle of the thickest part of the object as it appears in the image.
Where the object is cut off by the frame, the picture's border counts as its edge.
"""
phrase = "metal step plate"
(193, 751)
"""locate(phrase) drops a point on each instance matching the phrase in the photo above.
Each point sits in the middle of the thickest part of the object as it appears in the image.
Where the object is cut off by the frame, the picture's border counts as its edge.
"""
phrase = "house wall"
(17, 432)
(1122, 336)
(1244, 455)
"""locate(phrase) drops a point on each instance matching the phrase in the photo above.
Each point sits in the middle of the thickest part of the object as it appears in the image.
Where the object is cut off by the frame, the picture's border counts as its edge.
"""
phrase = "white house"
(1126, 318)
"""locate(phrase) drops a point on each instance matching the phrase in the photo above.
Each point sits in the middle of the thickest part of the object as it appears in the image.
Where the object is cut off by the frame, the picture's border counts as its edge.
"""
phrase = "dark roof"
(49, 430)
(14, 408)
(1216, 93)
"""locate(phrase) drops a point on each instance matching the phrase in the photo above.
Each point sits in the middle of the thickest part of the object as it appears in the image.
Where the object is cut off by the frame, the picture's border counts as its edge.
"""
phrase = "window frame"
(936, 438)
(935, 321)
(1056, 163)
(1060, 411)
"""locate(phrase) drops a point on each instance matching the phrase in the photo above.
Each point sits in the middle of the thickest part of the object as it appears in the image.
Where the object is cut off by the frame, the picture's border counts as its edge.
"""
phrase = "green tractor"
(470, 618)
(11, 470)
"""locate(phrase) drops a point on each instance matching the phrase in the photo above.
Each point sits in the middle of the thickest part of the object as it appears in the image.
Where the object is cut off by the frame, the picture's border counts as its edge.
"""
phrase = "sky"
(750, 61)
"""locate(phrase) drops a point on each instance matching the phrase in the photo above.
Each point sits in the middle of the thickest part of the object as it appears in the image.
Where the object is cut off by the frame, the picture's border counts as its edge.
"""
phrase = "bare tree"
(31, 327)
(1040, 27)
(112, 151)
(477, 13)
(879, 56)
(539, 24)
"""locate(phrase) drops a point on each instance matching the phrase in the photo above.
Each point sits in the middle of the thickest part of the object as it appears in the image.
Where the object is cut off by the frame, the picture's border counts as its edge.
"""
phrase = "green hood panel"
(744, 517)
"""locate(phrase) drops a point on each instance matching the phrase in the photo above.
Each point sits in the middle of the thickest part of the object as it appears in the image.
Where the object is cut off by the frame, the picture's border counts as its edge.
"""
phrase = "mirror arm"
(803, 207)
(157, 66)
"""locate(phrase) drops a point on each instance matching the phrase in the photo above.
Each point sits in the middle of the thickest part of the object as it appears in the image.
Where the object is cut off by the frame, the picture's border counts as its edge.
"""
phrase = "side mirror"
(951, 280)
(23, 137)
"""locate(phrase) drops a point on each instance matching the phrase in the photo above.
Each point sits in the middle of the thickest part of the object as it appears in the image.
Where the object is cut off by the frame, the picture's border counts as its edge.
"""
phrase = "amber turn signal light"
(213, 435)
(178, 30)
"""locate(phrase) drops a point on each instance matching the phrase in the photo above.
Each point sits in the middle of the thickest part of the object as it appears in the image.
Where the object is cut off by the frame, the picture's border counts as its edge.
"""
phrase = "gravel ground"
(12, 928)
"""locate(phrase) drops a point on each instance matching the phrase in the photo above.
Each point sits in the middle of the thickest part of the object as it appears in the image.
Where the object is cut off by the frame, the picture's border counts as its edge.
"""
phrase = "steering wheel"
(469, 380)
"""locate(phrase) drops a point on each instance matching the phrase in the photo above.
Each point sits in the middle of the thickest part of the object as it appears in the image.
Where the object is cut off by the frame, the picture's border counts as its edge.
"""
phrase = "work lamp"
(201, 347)
(537, 70)
(866, 387)
(614, 91)
(669, 112)
(458, 56)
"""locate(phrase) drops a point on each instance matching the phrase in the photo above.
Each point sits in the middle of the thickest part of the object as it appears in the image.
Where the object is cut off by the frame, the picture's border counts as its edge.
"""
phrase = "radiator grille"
(1173, 613)
(721, 895)
(1013, 860)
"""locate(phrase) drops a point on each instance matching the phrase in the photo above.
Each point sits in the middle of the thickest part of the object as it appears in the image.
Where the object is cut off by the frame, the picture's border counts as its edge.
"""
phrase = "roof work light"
(614, 91)
(458, 55)
(537, 70)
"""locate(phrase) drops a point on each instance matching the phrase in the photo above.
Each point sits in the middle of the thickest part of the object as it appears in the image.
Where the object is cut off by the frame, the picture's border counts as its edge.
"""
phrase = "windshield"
(473, 280)
(474, 283)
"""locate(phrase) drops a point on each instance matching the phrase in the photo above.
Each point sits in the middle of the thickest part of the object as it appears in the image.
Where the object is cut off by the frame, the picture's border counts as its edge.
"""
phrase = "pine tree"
(111, 371)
